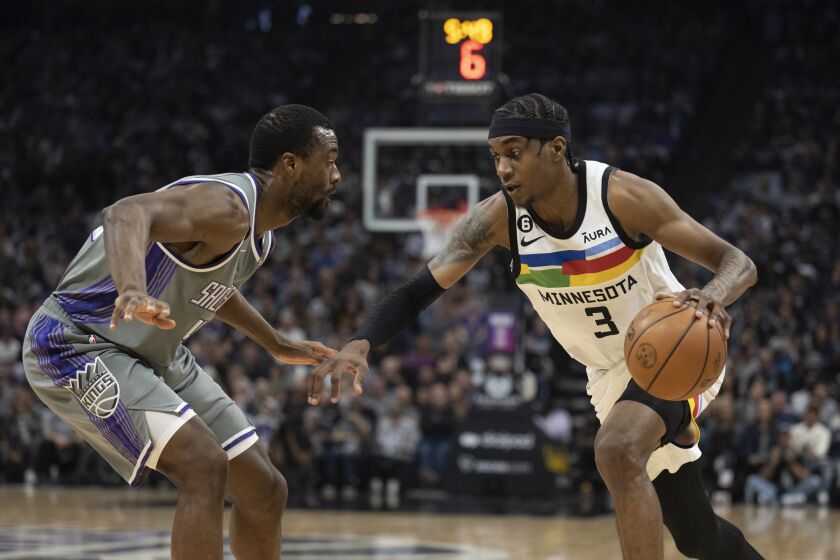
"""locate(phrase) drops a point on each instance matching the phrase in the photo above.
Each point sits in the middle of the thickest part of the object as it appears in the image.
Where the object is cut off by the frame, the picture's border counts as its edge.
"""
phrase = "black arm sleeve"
(399, 309)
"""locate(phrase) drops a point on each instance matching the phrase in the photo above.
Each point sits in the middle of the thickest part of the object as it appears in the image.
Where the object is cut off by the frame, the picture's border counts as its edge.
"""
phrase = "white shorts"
(604, 388)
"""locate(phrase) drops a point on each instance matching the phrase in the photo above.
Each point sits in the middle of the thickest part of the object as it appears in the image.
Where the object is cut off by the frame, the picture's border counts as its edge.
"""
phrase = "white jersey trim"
(265, 240)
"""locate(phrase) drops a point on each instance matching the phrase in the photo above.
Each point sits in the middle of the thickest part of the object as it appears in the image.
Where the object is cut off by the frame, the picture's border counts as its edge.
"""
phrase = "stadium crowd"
(136, 105)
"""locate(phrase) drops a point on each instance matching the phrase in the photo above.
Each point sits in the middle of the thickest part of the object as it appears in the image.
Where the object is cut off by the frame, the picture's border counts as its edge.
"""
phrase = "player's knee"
(209, 471)
(193, 459)
(617, 456)
(265, 493)
(280, 493)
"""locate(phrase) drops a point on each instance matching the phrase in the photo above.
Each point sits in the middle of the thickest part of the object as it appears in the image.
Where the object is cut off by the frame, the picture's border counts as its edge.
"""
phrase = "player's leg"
(698, 532)
(195, 463)
(628, 436)
(258, 492)
(257, 489)
(126, 412)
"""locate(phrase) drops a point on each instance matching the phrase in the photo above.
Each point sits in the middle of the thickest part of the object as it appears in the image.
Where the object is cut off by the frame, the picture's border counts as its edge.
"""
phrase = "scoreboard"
(460, 55)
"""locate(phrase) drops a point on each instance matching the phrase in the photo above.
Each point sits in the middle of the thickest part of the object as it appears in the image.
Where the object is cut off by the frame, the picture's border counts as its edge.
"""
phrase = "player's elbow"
(751, 271)
(121, 212)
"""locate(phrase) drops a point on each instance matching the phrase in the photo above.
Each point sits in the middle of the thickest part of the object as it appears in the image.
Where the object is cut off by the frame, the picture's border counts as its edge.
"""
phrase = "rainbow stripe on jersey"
(587, 267)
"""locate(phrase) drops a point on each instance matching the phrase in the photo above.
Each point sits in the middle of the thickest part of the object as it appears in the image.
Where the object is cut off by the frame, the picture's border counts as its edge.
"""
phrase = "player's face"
(320, 175)
(524, 168)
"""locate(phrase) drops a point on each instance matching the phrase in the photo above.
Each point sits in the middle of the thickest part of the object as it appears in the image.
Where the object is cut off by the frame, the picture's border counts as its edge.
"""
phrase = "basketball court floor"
(48, 523)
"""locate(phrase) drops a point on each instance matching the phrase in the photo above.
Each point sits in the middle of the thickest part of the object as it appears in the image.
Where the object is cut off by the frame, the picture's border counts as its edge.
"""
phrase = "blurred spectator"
(343, 452)
(782, 472)
(59, 454)
(397, 438)
(22, 432)
(438, 426)
(720, 448)
(291, 451)
(759, 438)
(9, 346)
(811, 439)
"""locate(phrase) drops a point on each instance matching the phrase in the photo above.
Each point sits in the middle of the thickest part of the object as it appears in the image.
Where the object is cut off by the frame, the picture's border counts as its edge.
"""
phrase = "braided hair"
(538, 106)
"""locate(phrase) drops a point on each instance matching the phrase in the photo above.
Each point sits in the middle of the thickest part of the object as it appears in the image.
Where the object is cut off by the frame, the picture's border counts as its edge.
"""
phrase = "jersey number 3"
(605, 319)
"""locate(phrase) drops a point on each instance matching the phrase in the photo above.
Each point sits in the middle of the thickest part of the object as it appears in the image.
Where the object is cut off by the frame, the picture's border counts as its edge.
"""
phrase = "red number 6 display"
(473, 65)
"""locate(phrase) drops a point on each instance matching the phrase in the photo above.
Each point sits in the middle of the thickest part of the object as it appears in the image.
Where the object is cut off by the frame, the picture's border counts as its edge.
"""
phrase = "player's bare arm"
(645, 210)
(482, 229)
(201, 221)
(241, 315)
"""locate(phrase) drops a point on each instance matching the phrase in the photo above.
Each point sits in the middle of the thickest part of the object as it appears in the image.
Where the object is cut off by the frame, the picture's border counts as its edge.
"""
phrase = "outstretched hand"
(304, 353)
(707, 305)
(149, 310)
(351, 359)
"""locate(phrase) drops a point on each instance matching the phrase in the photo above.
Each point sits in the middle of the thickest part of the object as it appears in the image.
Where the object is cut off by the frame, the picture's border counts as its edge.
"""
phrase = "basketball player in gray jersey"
(587, 242)
(105, 350)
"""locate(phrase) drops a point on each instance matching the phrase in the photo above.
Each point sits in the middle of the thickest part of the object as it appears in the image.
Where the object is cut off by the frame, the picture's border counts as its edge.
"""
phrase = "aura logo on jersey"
(213, 296)
(597, 234)
(96, 388)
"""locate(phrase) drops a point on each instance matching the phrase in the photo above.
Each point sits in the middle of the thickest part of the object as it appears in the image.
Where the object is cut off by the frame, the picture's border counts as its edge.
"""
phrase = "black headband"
(544, 129)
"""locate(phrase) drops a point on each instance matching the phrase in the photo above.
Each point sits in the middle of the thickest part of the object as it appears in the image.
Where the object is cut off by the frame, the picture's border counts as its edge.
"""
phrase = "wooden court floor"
(133, 524)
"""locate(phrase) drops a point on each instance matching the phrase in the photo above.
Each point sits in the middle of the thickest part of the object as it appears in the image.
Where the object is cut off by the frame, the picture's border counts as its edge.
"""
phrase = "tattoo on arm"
(471, 239)
(734, 275)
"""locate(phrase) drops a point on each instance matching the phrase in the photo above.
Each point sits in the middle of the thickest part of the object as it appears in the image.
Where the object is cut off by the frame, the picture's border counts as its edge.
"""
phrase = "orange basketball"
(671, 354)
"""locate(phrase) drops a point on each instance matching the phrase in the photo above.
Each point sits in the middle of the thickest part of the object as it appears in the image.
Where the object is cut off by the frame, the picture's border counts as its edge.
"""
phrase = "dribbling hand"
(134, 303)
(708, 305)
(351, 359)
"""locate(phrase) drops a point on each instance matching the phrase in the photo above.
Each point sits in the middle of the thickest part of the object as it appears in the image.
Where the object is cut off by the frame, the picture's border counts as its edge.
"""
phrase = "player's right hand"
(134, 303)
(351, 359)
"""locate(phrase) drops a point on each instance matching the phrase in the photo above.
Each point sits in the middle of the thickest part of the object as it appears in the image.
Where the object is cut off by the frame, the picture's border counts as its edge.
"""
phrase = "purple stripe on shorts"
(60, 361)
(246, 435)
(182, 409)
(138, 475)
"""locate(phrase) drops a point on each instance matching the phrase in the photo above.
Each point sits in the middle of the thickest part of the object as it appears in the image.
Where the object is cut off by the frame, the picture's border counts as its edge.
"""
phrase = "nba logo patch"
(96, 388)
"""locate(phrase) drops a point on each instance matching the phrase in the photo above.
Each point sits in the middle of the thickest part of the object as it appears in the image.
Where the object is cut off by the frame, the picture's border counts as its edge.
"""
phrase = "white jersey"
(589, 282)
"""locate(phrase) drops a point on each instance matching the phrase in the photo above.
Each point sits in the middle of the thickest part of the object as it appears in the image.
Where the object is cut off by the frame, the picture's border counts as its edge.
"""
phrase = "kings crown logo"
(96, 388)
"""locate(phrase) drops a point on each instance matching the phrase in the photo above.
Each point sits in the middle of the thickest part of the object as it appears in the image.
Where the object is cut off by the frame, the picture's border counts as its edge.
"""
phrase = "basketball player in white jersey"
(587, 242)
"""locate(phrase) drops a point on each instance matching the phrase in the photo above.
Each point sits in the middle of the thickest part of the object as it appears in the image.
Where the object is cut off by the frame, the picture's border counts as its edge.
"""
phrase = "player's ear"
(558, 148)
(289, 164)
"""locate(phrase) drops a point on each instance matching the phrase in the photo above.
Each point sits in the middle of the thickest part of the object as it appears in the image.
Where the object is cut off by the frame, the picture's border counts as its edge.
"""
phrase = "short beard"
(305, 208)
(317, 210)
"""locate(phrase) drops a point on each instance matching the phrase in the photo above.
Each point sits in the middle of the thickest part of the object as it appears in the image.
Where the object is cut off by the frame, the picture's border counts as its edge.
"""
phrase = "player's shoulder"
(490, 216)
(628, 190)
(494, 206)
(222, 200)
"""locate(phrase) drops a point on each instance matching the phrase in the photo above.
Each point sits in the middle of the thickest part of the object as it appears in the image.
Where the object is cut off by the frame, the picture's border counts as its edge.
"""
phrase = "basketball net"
(437, 225)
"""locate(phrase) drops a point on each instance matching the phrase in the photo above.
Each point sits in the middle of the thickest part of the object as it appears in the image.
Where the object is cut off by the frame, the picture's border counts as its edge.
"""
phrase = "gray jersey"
(87, 292)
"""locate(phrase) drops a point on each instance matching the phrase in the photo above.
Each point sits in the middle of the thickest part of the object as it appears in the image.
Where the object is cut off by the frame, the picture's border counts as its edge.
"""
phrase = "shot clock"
(460, 55)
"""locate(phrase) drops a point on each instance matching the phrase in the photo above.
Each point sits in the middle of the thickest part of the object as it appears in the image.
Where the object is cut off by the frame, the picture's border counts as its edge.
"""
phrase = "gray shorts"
(119, 404)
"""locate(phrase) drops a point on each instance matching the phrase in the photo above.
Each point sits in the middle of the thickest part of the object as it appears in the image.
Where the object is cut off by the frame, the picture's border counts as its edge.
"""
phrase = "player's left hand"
(304, 353)
(708, 305)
